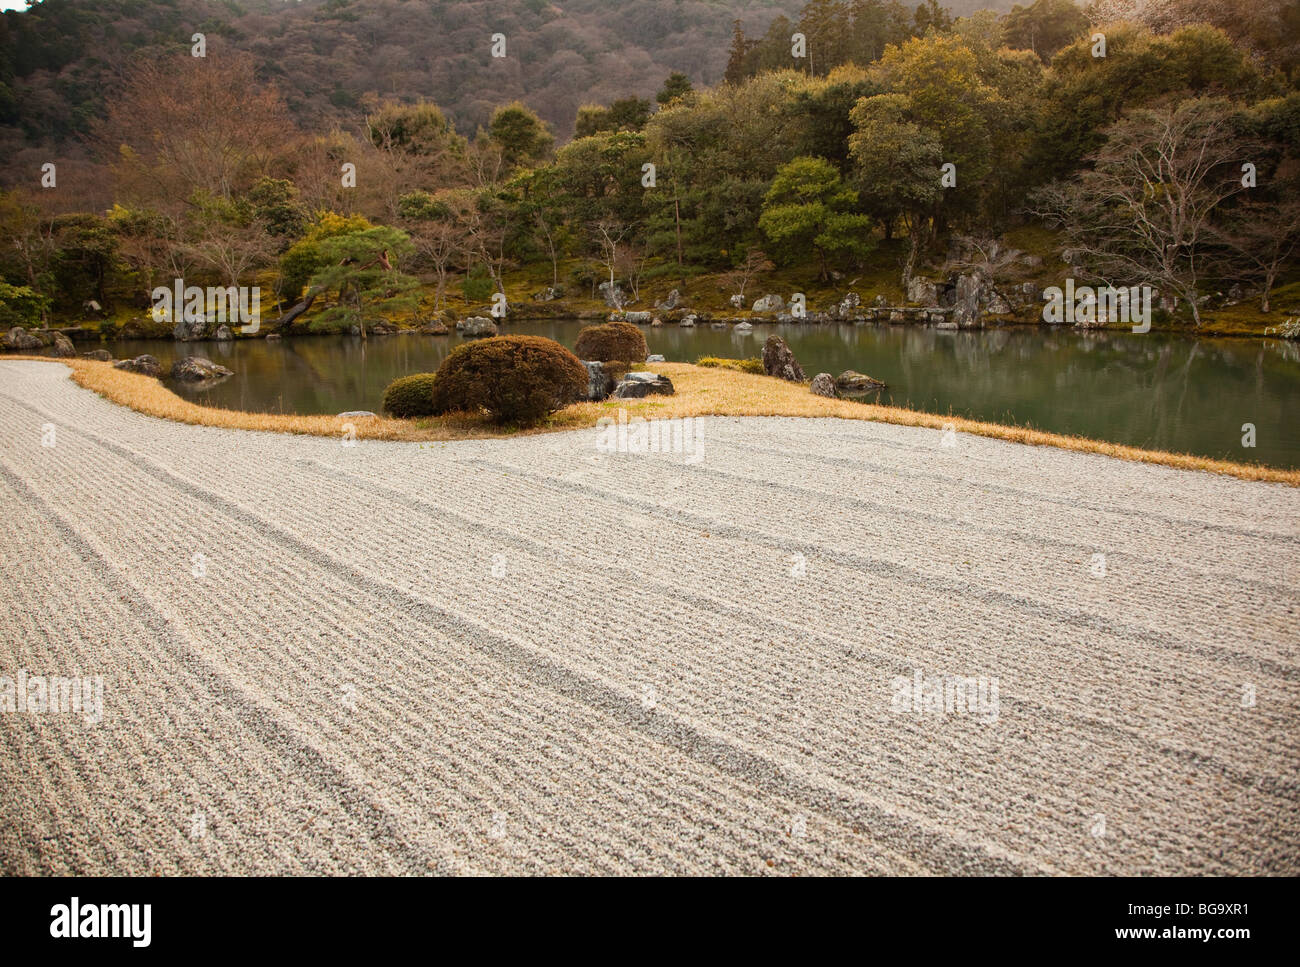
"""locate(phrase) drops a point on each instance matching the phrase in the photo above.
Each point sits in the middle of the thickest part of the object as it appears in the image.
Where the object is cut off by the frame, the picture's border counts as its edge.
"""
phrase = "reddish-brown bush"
(517, 379)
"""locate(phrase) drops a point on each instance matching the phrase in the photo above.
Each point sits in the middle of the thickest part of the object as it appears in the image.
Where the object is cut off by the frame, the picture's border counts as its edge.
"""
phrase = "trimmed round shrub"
(611, 341)
(410, 396)
(517, 379)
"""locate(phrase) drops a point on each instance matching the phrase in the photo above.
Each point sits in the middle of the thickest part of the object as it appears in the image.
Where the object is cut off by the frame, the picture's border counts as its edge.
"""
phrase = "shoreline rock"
(195, 369)
(639, 385)
(144, 364)
(779, 360)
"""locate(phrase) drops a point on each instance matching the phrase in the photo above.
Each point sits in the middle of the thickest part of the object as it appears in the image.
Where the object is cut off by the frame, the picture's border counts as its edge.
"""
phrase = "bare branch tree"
(738, 279)
(1261, 238)
(1143, 213)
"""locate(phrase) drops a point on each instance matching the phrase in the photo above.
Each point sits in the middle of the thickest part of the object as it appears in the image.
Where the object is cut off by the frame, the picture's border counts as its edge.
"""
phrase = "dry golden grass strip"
(700, 392)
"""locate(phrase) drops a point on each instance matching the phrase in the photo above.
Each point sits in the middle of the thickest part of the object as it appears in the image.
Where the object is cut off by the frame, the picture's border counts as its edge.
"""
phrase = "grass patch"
(701, 391)
(752, 365)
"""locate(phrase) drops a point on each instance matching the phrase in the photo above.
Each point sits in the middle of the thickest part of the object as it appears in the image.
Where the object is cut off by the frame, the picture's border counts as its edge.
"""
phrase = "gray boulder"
(655, 358)
(638, 318)
(192, 369)
(737, 302)
(922, 291)
(1025, 294)
(599, 383)
(779, 361)
(851, 382)
(743, 326)
(688, 322)
(673, 299)
(357, 415)
(189, 331)
(476, 327)
(769, 303)
(823, 385)
(549, 294)
(145, 365)
(62, 347)
(635, 386)
(19, 340)
(848, 306)
(614, 296)
(971, 292)
(224, 334)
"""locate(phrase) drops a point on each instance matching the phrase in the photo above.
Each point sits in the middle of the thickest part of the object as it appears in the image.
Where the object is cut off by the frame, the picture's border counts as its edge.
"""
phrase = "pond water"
(1161, 391)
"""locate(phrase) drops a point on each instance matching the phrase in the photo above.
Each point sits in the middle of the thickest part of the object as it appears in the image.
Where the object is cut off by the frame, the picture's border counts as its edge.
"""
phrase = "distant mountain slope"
(58, 60)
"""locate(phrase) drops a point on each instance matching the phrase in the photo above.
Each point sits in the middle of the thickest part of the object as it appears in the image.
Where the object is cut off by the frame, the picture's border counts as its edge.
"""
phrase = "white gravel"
(526, 656)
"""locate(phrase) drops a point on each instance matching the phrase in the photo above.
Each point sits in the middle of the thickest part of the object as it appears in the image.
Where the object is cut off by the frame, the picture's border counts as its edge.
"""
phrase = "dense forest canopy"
(328, 57)
(705, 145)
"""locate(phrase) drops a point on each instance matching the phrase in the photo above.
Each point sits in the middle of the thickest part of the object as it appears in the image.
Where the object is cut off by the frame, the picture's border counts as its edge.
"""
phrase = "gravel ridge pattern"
(531, 656)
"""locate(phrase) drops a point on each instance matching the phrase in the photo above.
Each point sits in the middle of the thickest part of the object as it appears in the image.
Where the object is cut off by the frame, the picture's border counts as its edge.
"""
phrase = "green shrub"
(610, 342)
(477, 285)
(410, 396)
(517, 379)
(752, 365)
(21, 305)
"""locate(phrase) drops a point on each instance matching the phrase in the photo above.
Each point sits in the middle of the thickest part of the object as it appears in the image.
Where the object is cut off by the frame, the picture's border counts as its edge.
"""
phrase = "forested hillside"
(59, 60)
(893, 136)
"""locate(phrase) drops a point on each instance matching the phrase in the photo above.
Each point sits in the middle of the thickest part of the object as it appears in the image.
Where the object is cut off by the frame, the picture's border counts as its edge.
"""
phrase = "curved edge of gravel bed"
(701, 391)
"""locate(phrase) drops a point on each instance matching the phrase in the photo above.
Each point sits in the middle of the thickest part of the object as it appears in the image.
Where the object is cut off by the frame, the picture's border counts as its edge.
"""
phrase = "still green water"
(1161, 391)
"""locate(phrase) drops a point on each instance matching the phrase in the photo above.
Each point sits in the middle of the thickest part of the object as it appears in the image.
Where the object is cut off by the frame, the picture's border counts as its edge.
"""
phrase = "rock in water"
(655, 358)
(743, 326)
(195, 368)
(224, 334)
(477, 326)
(145, 365)
(779, 361)
(851, 381)
(636, 385)
(99, 355)
(823, 385)
(688, 322)
(62, 346)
